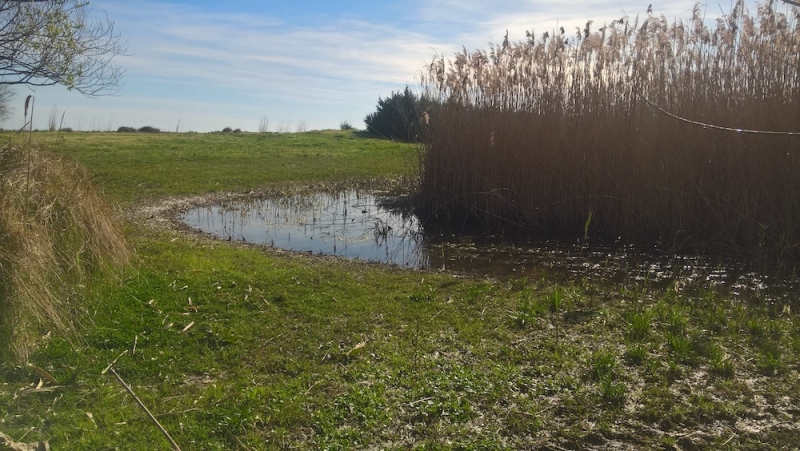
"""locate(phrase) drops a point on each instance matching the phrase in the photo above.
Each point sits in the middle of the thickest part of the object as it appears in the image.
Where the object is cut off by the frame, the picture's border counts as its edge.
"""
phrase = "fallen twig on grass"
(312, 386)
(141, 404)
(235, 439)
(412, 403)
(113, 362)
(729, 439)
(7, 444)
(44, 374)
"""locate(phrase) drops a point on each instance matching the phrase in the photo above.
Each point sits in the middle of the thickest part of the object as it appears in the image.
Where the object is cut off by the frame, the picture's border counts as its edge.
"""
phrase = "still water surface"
(362, 225)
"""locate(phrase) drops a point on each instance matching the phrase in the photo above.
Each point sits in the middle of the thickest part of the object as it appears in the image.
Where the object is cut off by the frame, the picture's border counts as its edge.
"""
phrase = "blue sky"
(204, 65)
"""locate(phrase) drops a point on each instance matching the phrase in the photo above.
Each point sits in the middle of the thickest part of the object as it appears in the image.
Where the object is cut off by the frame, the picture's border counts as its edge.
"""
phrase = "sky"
(205, 65)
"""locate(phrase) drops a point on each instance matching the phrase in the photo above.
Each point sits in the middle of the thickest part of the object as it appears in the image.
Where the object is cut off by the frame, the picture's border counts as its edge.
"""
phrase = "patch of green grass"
(723, 368)
(556, 300)
(226, 342)
(137, 166)
(420, 296)
(771, 359)
(636, 354)
(613, 391)
(757, 327)
(638, 326)
(680, 347)
(676, 321)
(528, 310)
(721, 364)
(603, 364)
(714, 316)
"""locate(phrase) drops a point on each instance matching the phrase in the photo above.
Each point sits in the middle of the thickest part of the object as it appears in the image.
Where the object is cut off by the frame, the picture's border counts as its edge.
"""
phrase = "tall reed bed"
(55, 229)
(569, 130)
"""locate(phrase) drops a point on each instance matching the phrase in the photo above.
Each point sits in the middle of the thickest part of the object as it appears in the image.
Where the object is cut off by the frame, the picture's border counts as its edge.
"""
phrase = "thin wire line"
(716, 127)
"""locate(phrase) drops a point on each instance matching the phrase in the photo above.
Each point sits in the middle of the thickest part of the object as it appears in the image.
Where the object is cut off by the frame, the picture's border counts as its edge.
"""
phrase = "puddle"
(362, 225)
(349, 224)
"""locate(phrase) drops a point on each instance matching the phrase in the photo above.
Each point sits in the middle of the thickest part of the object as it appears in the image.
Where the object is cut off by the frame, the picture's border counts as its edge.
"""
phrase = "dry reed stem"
(147, 411)
(55, 229)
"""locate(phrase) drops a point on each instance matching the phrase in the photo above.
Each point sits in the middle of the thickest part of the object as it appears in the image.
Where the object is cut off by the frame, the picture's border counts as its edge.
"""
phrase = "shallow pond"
(367, 226)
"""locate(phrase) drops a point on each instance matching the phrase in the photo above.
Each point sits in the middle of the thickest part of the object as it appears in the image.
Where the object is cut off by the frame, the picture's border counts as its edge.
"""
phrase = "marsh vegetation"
(574, 132)
(238, 345)
(229, 343)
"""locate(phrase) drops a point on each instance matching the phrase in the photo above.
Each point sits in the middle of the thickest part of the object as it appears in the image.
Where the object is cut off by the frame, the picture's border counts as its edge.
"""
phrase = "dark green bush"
(400, 116)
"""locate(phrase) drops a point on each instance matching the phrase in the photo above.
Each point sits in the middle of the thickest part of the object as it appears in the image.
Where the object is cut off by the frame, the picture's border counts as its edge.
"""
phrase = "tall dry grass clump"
(55, 229)
(544, 134)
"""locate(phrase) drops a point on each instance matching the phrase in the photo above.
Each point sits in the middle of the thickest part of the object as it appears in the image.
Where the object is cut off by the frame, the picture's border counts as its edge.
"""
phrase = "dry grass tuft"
(55, 229)
(539, 135)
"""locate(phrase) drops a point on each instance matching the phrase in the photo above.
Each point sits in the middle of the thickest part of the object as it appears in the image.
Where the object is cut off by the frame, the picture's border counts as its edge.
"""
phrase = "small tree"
(48, 42)
(400, 116)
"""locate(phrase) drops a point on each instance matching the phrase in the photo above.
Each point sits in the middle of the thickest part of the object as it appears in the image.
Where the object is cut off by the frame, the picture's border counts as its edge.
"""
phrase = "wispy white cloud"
(260, 54)
(214, 69)
(474, 23)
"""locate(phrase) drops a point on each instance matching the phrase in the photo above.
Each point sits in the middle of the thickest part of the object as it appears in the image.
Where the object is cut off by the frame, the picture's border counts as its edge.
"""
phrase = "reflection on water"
(349, 224)
(365, 226)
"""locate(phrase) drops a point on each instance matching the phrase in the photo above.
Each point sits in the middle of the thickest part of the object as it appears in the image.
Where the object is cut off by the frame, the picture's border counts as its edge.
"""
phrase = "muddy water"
(365, 226)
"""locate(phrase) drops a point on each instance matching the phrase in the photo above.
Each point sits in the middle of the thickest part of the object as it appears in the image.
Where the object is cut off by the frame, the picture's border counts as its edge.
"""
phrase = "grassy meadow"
(233, 346)
(135, 166)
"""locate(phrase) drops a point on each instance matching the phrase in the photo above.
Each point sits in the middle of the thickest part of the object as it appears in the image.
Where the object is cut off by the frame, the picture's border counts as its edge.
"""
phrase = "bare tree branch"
(52, 42)
(5, 101)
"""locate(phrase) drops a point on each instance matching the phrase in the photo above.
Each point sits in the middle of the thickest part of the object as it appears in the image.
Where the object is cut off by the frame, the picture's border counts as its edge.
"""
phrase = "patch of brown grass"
(543, 134)
(55, 229)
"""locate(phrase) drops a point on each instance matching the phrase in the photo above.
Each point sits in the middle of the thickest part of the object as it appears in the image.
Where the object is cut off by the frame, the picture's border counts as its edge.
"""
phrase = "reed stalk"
(536, 135)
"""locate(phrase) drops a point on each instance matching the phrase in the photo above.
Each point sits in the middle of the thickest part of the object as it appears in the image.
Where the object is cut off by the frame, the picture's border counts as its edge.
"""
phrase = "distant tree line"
(145, 129)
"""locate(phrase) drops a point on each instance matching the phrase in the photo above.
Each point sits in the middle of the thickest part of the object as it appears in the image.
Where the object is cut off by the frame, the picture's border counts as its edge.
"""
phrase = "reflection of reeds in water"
(338, 220)
(382, 229)
(535, 135)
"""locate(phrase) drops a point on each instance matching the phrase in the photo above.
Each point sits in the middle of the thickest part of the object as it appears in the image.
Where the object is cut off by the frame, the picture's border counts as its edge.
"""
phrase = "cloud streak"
(323, 67)
(259, 54)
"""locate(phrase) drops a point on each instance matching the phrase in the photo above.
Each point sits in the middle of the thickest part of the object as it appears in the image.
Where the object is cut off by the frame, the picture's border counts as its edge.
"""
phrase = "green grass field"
(239, 347)
(136, 166)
